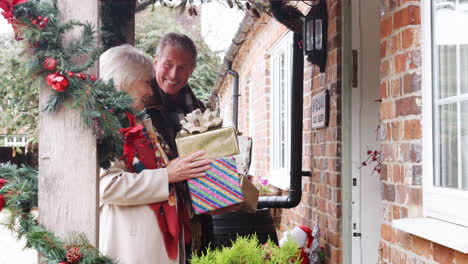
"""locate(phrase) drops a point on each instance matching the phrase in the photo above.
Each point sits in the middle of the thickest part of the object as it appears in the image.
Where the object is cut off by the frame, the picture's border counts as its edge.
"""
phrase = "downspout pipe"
(235, 94)
(297, 104)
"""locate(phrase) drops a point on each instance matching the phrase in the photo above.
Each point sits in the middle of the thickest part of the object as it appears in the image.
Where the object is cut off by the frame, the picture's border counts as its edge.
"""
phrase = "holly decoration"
(373, 156)
(49, 64)
(57, 81)
(74, 255)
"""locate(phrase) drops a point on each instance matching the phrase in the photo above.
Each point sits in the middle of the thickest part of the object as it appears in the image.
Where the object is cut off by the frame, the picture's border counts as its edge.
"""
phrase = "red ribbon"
(170, 218)
(131, 134)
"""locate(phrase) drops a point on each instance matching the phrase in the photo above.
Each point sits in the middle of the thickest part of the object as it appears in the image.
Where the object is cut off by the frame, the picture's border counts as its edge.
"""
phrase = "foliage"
(248, 250)
(18, 95)
(100, 104)
(152, 25)
(21, 196)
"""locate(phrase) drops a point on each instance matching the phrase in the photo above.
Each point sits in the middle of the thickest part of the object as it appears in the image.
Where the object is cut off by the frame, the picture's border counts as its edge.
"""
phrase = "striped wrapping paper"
(218, 189)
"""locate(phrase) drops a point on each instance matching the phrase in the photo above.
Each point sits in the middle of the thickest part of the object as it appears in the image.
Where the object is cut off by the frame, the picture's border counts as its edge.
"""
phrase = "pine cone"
(74, 255)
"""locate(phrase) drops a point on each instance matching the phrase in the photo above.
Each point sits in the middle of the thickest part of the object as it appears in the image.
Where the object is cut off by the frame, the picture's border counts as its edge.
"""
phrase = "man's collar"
(162, 99)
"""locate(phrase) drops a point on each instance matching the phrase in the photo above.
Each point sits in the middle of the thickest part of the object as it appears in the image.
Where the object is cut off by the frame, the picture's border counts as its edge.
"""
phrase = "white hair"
(125, 64)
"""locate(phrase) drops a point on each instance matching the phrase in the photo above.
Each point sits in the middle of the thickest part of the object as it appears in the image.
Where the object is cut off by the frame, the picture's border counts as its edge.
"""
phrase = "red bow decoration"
(7, 6)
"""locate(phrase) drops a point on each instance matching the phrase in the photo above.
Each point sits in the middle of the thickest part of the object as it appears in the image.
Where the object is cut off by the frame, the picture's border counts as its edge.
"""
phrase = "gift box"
(250, 193)
(220, 187)
(216, 143)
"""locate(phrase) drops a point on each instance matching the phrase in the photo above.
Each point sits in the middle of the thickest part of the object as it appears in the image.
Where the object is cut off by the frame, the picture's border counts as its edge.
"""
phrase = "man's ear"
(155, 59)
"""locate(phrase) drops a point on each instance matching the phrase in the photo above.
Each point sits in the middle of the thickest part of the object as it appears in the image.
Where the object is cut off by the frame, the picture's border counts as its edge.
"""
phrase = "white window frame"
(438, 202)
(252, 115)
(280, 174)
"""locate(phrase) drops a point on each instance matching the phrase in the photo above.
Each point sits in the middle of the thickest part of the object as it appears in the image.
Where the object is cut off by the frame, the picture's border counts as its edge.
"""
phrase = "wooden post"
(68, 170)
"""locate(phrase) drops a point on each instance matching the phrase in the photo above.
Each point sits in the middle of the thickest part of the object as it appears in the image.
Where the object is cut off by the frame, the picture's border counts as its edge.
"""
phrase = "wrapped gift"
(244, 158)
(220, 187)
(201, 131)
(251, 193)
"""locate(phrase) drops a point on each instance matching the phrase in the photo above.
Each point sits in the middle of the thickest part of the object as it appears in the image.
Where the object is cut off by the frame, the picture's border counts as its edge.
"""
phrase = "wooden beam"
(68, 170)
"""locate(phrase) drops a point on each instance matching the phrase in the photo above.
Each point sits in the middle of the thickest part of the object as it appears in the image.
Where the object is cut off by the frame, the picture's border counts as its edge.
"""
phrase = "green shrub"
(247, 250)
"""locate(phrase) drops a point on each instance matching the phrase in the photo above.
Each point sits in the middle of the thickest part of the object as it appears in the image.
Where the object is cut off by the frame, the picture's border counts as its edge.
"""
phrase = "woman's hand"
(188, 167)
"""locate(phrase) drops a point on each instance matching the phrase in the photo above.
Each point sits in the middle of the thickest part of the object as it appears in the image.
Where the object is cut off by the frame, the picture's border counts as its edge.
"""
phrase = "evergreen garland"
(18, 188)
(100, 104)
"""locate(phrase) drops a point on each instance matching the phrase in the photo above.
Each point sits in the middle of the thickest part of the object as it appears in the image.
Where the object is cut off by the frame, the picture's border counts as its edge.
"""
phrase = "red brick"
(421, 246)
(398, 174)
(395, 45)
(383, 90)
(411, 83)
(412, 129)
(334, 239)
(387, 233)
(396, 87)
(408, 106)
(395, 129)
(410, 15)
(383, 49)
(387, 110)
(385, 69)
(407, 38)
(404, 239)
(400, 63)
(415, 196)
(386, 27)
(443, 255)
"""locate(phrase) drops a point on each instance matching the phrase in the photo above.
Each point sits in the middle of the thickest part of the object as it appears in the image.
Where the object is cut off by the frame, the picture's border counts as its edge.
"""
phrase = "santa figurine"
(302, 235)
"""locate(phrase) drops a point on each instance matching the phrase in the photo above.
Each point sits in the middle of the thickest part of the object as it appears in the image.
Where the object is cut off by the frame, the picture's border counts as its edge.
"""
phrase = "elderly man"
(174, 62)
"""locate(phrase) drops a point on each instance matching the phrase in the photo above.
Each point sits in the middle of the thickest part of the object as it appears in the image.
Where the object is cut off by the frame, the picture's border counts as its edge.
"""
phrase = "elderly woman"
(143, 212)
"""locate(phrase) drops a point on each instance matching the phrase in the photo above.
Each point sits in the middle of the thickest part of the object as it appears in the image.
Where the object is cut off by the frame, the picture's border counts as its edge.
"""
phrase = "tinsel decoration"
(74, 255)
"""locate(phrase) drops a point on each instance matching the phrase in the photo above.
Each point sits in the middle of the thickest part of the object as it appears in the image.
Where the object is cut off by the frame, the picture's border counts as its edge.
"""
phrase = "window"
(280, 118)
(445, 110)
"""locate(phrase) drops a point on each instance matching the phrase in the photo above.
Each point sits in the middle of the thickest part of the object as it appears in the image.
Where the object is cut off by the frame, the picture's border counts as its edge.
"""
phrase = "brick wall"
(400, 112)
(321, 147)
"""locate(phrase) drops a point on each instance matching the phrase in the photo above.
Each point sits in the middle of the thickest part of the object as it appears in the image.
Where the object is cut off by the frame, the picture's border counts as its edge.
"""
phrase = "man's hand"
(188, 167)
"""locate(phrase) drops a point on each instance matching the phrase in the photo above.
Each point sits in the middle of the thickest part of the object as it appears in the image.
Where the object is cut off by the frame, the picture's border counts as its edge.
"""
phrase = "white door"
(366, 200)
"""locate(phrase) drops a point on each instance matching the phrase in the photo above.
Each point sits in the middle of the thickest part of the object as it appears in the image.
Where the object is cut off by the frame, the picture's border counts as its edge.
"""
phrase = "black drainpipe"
(297, 98)
(235, 93)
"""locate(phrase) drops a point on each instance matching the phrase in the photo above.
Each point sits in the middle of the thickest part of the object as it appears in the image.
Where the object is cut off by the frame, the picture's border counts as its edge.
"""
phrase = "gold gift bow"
(198, 122)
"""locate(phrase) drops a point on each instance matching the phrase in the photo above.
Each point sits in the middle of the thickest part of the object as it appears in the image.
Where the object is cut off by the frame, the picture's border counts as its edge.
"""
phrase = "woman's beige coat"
(129, 232)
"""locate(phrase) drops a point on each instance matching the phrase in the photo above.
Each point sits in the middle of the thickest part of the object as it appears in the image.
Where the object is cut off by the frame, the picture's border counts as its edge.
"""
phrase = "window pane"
(464, 69)
(464, 145)
(445, 38)
(447, 146)
(446, 71)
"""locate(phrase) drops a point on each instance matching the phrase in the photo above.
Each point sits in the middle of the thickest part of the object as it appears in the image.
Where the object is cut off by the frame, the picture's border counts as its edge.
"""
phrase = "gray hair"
(125, 64)
(180, 41)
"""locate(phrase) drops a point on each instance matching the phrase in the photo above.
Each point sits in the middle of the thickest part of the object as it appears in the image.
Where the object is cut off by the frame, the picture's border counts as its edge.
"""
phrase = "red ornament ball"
(42, 24)
(62, 262)
(49, 64)
(34, 22)
(93, 78)
(46, 19)
(39, 18)
(70, 74)
(57, 81)
(2, 202)
(3, 182)
(81, 76)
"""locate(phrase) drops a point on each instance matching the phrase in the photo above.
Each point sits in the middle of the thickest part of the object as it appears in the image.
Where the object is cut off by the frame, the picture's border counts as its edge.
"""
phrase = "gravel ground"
(11, 250)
